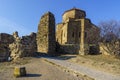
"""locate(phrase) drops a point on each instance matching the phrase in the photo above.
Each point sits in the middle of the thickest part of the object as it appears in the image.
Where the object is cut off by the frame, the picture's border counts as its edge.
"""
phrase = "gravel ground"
(37, 69)
(95, 74)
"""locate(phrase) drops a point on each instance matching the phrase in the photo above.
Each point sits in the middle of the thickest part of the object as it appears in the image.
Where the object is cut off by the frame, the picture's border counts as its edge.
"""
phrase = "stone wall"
(59, 33)
(74, 32)
(69, 31)
(5, 40)
(72, 48)
(30, 45)
(16, 49)
(23, 47)
(69, 48)
(46, 34)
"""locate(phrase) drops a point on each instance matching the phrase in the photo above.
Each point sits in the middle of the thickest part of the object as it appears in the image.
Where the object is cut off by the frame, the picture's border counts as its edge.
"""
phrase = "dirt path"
(37, 69)
(95, 74)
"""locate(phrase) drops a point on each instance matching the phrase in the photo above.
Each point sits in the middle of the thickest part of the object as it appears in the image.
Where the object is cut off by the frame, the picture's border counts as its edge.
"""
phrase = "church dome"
(73, 13)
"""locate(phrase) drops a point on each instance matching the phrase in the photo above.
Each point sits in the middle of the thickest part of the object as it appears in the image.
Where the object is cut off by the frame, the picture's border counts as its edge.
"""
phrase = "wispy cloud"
(8, 26)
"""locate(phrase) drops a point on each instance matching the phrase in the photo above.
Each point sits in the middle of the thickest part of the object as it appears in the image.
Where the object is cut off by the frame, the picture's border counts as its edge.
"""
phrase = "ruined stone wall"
(5, 40)
(30, 45)
(23, 47)
(16, 49)
(46, 34)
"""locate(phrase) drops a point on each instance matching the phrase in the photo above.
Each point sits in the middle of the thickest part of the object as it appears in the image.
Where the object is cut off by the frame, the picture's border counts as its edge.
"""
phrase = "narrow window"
(85, 34)
(79, 34)
(73, 34)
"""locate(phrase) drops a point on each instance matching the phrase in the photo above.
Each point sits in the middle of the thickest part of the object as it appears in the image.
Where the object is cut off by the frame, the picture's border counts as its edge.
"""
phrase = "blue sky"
(24, 15)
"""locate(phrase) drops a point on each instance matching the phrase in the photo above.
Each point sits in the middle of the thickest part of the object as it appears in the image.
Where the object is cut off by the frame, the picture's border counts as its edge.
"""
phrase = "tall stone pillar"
(82, 49)
(46, 34)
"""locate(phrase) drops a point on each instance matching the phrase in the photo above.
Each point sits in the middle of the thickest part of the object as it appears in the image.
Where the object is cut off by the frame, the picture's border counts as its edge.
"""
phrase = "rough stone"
(69, 30)
(68, 35)
(5, 40)
(23, 47)
(19, 71)
(30, 45)
(46, 34)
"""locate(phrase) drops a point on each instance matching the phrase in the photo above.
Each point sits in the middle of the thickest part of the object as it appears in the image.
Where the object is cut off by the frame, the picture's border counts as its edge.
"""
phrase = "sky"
(24, 15)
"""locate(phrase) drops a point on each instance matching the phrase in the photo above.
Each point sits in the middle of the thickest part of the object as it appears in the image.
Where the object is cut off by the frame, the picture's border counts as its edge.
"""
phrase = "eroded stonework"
(74, 34)
(5, 40)
(46, 34)
(23, 47)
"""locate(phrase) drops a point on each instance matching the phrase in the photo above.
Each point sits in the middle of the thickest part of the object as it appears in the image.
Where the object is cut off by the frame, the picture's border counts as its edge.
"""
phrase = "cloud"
(8, 26)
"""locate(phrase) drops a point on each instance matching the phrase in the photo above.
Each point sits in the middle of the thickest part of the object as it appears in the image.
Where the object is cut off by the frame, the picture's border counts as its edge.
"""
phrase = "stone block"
(19, 71)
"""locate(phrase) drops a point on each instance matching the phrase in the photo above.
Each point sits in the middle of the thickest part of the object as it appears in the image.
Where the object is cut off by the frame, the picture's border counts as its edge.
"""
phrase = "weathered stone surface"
(23, 47)
(70, 30)
(15, 34)
(5, 40)
(69, 48)
(46, 34)
(29, 43)
(16, 48)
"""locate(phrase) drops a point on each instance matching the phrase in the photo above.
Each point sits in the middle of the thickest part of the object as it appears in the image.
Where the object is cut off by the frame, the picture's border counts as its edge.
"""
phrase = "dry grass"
(22, 61)
(99, 62)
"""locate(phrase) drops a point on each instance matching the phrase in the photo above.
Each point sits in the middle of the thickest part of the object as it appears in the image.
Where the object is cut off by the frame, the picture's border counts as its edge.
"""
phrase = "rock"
(23, 47)
(19, 71)
(15, 34)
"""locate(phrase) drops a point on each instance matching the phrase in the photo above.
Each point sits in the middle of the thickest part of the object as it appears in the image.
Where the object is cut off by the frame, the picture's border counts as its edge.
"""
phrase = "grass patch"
(102, 58)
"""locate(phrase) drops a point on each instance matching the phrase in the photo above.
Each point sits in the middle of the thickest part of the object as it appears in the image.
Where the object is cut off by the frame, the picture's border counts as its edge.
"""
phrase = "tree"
(110, 30)
(110, 33)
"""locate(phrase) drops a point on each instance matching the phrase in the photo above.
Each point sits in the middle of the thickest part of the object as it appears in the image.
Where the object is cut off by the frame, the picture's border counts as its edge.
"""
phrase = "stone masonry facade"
(23, 47)
(46, 34)
(69, 30)
(74, 34)
(5, 40)
(75, 29)
(16, 47)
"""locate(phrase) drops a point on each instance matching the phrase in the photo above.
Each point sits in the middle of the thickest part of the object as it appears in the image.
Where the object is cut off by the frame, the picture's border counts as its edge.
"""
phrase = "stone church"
(75, 34)
(69, 30)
